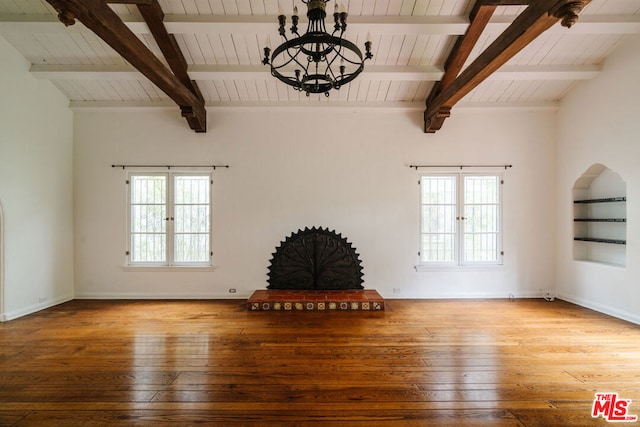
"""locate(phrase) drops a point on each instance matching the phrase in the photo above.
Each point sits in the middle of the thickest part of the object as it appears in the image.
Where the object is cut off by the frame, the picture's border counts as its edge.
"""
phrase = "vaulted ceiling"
(222, 43)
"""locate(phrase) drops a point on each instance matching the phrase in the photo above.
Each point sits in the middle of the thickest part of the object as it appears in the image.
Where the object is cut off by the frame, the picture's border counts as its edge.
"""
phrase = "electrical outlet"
(232, 290)
(42, 299)
(396, 290)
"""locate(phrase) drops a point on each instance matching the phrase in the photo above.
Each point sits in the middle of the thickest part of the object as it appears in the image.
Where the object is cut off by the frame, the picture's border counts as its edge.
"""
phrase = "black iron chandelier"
(317, 61)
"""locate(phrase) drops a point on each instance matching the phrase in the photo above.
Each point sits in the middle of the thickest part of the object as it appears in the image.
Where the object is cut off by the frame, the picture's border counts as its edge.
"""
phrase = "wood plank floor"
(419, 363)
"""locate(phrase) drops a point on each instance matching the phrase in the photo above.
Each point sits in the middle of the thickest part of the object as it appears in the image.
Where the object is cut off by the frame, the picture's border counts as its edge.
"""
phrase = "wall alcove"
(600, 217)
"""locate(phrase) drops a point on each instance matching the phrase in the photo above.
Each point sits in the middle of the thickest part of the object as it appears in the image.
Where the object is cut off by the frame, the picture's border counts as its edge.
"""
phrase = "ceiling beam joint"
(538, 17)
(97, 16)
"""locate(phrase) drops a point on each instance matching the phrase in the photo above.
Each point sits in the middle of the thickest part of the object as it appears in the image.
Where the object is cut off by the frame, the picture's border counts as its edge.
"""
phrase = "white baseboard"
(464, 295)
(601, 308)
(243, 295)
(122, 295)
(25, 311)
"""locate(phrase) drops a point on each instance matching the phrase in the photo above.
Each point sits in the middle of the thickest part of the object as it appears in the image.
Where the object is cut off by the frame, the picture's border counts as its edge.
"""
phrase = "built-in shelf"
(595, 240)
(610, 220)
(606, 200)
(600, 219)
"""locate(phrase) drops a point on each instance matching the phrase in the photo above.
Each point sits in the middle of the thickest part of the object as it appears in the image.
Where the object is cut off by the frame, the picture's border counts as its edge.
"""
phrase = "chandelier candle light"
(317, 61)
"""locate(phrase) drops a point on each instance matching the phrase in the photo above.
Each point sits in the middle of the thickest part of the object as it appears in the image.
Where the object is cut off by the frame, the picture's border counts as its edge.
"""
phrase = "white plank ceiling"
(222, 42)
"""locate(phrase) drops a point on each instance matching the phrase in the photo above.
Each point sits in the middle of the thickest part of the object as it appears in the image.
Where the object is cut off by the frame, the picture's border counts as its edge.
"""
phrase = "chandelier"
(317, 61)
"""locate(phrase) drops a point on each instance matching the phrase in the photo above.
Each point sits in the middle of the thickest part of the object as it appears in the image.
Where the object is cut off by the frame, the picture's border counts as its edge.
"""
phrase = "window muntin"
(148, 219)
(192, 214)
(170, 219)
(439, 227)
(481, 224)
(460, 219)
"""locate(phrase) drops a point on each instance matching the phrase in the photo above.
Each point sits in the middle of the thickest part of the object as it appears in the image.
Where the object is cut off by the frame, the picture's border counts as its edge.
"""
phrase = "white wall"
(346, 170)
(36, 144)
(599, 122)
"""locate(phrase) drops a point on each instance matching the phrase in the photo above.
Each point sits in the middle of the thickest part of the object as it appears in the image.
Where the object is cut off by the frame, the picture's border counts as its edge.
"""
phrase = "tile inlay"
(303, 300)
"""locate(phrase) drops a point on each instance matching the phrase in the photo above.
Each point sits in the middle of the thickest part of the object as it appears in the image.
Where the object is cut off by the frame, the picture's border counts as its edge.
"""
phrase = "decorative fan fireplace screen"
(315, 259)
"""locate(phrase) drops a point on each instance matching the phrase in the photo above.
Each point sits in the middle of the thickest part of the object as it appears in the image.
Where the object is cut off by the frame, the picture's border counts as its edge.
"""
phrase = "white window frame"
(170, 223)
(458, 261)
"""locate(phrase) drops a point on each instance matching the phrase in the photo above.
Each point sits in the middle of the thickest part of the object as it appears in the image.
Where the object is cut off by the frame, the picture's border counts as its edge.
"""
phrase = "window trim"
(459, 263)
(168, 264)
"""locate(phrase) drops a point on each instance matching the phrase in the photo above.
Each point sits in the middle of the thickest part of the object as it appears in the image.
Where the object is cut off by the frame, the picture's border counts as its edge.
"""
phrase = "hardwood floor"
(418, 363)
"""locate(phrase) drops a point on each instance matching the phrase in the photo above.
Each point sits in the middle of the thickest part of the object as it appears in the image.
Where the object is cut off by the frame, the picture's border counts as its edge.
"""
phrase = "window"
(169, 219)
(460, 219)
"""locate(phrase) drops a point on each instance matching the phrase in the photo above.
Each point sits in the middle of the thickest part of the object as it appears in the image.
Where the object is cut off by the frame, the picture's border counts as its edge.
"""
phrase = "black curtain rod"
(170, 166)
(461, 166)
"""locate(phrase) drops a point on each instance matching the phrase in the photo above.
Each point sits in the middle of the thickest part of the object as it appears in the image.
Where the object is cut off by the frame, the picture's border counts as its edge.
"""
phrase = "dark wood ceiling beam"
(154, 16)
(478, 20)
(533, 21)
(106, 24)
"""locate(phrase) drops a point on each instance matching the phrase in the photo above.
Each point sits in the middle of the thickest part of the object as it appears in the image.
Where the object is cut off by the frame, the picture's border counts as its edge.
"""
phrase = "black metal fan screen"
(315, 259)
